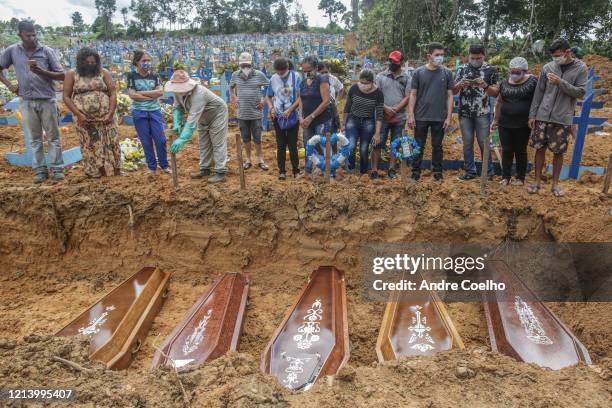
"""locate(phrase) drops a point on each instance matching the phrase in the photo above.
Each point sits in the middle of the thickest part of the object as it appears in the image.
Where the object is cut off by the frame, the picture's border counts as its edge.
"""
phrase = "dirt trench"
(62, 247)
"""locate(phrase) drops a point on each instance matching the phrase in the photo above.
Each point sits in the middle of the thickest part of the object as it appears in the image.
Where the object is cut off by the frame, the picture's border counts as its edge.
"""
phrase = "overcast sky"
(57, 12)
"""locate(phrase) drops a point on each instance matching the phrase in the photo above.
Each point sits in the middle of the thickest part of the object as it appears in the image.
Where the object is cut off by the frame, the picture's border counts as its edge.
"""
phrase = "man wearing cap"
(395, 86)
(209, 113)
(471, 83)
(246, 92)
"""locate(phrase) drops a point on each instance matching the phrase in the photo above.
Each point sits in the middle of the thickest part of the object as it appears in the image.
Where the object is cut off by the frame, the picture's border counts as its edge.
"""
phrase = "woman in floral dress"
(89, 92)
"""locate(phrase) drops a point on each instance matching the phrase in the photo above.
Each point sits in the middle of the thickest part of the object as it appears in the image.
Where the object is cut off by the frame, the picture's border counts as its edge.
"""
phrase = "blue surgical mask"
(517, 77)
(438, 60)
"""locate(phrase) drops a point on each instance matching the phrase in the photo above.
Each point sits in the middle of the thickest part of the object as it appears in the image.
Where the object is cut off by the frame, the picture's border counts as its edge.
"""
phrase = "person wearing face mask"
(197, 106)
(430, 108)
(314, 100)
(471, 82)
(514, 97)
(336, 92)
(246, 93)
(283, 102)
(364, 111)
(90, 94)
(562, 81)
(394, 83)
(37, 67)
(145, 89)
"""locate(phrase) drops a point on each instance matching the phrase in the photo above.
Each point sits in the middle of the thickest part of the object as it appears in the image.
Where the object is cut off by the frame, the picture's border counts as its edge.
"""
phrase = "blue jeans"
(478, 126)
(396, 130)
(361, 129)
(150, 128)
(320, 129)
(39, 115)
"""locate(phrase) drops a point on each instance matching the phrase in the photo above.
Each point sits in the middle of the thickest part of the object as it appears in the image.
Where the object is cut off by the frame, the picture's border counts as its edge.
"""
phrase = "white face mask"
(246, 71)
(364, 88)
(437, 60)
(560, 60)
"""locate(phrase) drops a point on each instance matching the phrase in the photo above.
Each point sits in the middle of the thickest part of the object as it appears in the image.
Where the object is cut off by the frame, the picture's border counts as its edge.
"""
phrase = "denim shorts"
(250, 129)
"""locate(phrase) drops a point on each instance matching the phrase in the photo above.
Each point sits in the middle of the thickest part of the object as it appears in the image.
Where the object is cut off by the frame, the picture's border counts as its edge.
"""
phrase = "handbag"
(293, 119)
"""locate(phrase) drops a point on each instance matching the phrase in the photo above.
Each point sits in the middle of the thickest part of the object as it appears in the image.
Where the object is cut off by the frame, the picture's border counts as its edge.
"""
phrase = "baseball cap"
(245, 58)
(395, 56)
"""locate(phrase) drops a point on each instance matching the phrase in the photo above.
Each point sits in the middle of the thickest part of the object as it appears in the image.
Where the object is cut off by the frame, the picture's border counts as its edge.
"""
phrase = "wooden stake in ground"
(173, 163)
(403, 171)
(240, 162)
(485, 166)
(608, 177)
(328, 157)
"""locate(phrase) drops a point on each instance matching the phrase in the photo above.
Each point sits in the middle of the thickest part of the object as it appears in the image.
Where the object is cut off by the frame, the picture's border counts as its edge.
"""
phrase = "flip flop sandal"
(533, 189)
(247, 165)
(263, 166)
(557, 192)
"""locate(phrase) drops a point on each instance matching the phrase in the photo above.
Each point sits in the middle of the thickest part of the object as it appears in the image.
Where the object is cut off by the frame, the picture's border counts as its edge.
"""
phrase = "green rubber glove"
(186, 134)
(177, 121)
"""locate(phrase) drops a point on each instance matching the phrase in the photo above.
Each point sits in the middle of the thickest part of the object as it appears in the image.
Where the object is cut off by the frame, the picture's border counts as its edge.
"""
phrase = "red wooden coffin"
(521, 326)
(312, 340)
(419, 327)
(212, 326)
(118, 323)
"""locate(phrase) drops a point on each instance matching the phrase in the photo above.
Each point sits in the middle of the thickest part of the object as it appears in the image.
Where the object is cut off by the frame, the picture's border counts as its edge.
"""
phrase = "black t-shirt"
(516, 102)
(311, 99)
(565, 67)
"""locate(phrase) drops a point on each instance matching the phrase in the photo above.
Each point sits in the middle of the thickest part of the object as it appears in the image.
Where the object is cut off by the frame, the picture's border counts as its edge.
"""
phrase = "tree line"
(144, 17)
(512, 26)
(503, 26)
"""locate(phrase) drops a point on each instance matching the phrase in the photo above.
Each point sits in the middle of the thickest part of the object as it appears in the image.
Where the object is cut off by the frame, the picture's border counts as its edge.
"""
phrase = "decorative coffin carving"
(415, 328)
(118, 322)
(312, 340)
(521, 326)
(211, 328)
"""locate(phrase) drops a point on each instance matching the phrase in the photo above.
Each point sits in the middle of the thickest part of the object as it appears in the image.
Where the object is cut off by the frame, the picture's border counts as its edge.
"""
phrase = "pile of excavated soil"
(64, 245)
(466, 378)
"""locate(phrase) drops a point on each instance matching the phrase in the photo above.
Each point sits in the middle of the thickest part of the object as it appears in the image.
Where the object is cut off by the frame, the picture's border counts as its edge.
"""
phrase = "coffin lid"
(212, 326)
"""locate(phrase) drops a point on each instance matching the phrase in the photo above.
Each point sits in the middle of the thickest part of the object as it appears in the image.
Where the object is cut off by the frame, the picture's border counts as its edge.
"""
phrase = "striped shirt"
(365, 105)
(249, 93)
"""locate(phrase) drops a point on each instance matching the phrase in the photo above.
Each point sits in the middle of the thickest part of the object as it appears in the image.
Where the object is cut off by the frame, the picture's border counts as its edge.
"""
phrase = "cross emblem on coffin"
(419, 332)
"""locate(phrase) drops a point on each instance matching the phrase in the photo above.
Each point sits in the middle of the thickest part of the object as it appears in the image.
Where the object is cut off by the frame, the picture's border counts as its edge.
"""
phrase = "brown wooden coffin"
(419, 327)
(521, 326)
(312, 340)
(118, 323)
(212, 326)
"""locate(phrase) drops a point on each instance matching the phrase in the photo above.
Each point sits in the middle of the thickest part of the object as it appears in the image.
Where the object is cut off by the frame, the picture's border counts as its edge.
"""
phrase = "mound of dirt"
(472, 377)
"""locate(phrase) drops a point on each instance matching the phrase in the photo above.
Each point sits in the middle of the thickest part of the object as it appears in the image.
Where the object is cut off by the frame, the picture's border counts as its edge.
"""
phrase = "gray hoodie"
(556, 103)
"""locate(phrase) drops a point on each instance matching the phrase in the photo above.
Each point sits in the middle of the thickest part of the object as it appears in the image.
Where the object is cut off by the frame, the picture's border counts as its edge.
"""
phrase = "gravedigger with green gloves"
(209, 114)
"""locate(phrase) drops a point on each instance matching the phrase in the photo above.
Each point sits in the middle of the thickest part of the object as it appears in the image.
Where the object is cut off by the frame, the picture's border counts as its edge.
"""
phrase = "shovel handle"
(173, 163)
